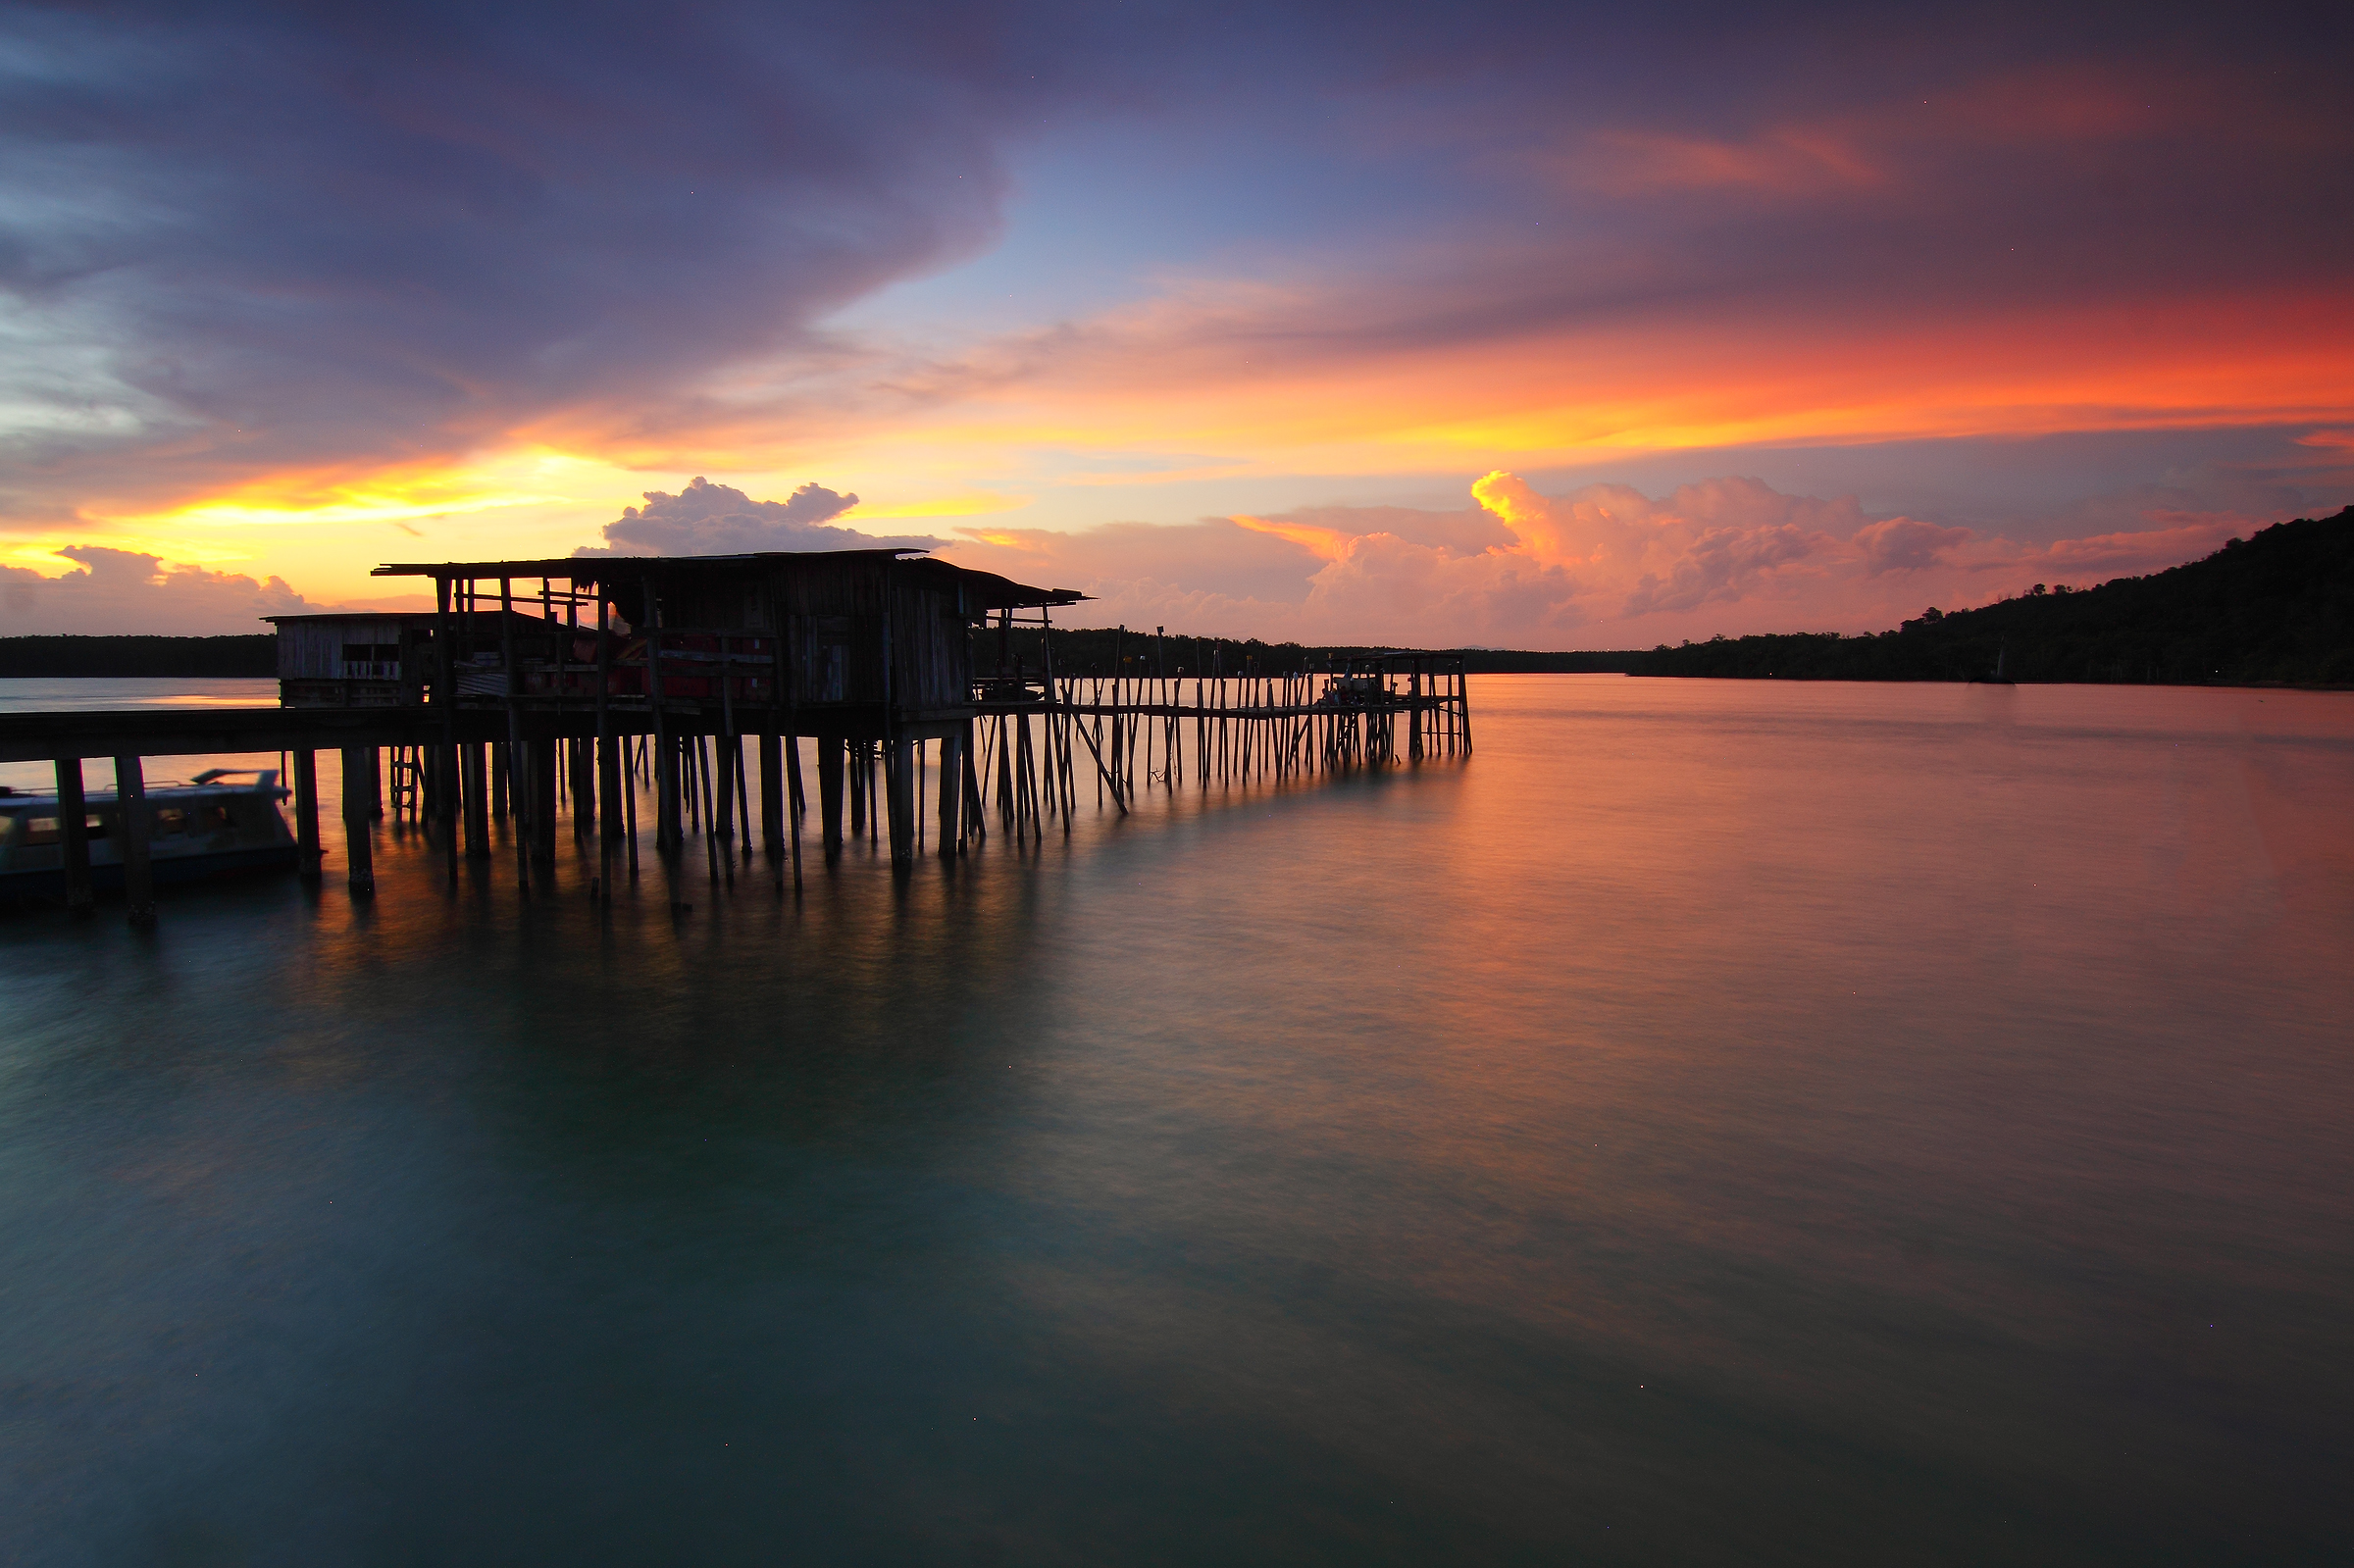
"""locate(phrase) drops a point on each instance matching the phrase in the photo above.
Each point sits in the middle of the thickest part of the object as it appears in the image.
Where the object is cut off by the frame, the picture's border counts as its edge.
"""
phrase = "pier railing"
(1139, 732)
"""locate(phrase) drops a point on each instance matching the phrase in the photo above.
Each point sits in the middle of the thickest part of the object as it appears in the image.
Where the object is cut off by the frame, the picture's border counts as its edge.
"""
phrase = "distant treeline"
(132, 656)
(1090, 652)
(2274, 608)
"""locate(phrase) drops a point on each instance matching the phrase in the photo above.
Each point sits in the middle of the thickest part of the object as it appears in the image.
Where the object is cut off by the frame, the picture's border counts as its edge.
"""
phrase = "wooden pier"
(537, 685)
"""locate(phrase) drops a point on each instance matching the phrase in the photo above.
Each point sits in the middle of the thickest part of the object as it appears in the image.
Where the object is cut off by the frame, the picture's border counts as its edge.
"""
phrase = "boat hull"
(107, 875)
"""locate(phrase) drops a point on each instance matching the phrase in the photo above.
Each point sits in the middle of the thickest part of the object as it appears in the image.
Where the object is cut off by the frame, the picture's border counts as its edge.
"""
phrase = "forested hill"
(2277, 607)
(139, 656)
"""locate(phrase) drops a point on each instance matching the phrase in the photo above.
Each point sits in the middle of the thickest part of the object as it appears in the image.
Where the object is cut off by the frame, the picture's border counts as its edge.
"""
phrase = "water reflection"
(1717, 1122)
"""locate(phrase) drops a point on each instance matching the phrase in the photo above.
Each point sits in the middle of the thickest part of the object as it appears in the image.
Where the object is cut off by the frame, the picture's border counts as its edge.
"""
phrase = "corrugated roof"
(986, 590)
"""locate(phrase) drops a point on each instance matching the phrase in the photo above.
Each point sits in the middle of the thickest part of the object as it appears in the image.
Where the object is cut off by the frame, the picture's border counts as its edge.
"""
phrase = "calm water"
(1720, 1123)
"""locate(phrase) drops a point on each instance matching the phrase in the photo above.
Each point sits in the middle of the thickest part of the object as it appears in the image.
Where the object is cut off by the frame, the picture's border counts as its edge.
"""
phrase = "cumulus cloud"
(1906, 544)
(1719, 540)
(707, 518)
(126, 592)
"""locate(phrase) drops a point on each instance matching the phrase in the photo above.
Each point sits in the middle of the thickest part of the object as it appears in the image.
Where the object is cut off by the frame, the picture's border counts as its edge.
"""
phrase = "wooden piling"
(899, 787)
(474, 785)
(629, 806)
(134, 824)
(830, 758)
(306, 813)
(521, 763)
(772, 795)
(445, 696)
(952, 792)
(794, 805)
(712, 817)
(609, 768)
(976, 819)
(583, 759)
(724, 755)
(861, 784)
(359, 848)
(74, 837)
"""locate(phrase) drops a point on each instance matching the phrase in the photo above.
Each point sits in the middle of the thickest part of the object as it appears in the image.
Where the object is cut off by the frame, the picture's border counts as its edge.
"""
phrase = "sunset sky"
(1527, 326)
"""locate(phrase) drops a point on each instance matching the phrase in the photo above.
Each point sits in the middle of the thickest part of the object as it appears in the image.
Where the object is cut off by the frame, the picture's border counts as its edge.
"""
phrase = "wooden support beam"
(862, 785)
(519, 762)
(133, 824)
(976, 817)
(628, 803)
(699, 783)
(475, 766)
(744, 809)
(1103, 774)
(609, 772)
(608, 761)
(725, 753)
(772, 795)
(359, 803)
(829, 790)
(583, 757)
(951, 793)
(899, 788)
(670, 825)
(306, 813)
(794, 808)
(74, 837)
(445, 768)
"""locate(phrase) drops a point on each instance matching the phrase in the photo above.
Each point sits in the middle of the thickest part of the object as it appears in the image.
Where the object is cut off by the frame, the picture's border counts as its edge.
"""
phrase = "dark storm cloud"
(282, 235)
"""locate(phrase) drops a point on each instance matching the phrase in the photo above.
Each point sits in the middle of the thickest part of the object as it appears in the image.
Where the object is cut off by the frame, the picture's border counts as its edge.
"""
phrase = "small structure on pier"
(868, 652)
(392, 658)
(862, 643)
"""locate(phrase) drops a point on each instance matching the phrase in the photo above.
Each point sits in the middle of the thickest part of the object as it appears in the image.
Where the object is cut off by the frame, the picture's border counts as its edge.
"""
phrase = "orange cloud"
(1328, 544)
(1603, 566)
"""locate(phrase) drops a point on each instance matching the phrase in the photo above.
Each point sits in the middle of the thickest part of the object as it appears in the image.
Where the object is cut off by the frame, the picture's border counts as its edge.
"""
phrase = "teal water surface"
(1718, 1122)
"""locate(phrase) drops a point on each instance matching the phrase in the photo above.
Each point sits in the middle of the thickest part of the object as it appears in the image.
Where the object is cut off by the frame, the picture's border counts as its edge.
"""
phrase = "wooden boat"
(205, 827)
